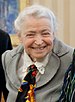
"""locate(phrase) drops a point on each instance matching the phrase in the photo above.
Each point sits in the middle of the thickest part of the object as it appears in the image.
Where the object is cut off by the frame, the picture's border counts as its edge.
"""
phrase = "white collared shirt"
(25, 62)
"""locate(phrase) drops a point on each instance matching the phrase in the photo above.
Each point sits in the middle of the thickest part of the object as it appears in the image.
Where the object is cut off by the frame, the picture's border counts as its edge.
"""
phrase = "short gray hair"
(36, 11)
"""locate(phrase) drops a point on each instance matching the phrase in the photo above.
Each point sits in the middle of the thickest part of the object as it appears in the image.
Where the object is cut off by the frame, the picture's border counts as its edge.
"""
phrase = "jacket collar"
(60, 48)
(51, 69)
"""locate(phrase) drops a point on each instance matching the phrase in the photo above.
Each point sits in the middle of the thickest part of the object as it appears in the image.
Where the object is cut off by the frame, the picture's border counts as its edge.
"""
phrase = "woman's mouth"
(38, 48)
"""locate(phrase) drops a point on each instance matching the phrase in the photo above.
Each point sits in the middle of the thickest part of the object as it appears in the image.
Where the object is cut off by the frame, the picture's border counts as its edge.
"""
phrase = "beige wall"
(65, 13)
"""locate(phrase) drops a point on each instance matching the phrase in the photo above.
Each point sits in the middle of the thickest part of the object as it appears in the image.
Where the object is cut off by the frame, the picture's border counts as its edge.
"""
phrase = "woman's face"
(37, 37)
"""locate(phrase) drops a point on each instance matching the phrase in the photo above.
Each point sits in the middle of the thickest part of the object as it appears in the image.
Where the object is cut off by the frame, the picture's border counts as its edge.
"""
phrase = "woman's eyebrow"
(31, 32)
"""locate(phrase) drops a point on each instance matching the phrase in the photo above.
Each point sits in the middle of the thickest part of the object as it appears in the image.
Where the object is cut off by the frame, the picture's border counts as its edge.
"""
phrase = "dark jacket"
(68, 89)
(5, 44)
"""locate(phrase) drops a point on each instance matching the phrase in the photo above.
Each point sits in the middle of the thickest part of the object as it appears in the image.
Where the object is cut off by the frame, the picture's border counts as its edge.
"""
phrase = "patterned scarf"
(26, 92)
(68, 89)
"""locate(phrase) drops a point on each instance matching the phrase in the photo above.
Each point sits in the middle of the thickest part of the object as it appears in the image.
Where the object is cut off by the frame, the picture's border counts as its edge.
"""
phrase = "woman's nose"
(38, 40)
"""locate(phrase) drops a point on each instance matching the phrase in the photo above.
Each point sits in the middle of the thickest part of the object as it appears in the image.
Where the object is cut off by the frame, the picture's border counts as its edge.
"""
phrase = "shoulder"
(9, 54)
(14, 51)
(60, 48)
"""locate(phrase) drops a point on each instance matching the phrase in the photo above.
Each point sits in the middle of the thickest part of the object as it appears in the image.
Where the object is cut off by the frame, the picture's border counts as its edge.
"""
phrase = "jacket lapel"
(51, 69)
(13, 67)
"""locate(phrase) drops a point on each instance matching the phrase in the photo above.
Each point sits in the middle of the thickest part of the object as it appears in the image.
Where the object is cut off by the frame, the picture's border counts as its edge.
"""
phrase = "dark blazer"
(5, 44)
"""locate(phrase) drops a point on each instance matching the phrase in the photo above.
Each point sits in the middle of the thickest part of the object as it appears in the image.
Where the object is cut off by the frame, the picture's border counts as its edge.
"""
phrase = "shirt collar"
(40, 65)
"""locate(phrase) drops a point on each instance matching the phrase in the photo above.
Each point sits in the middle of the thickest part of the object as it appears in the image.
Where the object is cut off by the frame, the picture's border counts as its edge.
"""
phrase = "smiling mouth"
(39, 48)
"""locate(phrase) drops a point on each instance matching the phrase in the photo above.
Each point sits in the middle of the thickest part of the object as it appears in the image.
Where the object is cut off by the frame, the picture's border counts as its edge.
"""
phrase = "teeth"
(38, 48)
(41, 48)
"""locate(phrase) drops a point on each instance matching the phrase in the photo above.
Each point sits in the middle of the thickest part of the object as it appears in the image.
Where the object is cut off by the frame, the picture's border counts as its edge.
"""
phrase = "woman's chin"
(38, 57)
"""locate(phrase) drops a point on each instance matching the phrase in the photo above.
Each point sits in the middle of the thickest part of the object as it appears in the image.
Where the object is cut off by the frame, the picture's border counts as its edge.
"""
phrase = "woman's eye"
(30, 35)
(46, 34)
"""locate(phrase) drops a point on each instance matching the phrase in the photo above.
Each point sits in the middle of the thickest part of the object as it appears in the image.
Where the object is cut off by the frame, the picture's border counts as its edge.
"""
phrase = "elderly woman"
(36, 28)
